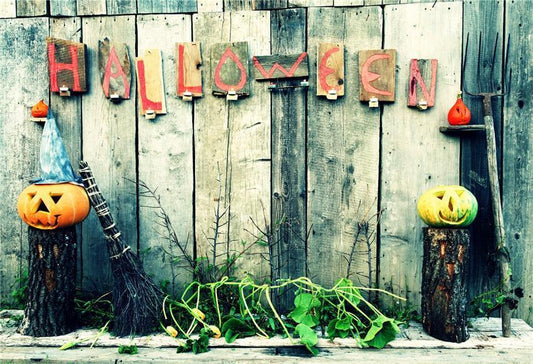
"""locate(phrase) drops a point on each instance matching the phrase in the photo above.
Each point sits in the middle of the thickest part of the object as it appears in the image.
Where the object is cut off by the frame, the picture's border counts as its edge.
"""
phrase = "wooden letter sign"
(377, 76)
(115, 70)
(230, 69)
(280, 66)
(188, 71)
(150, 83)
(66, 63)
(330, 70)
(420, 96)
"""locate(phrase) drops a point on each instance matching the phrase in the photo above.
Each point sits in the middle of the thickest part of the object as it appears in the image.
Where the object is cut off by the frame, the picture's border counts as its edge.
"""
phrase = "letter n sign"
(422, 83)
(115, 69)
(229, 69)
(377, 74)
(66, 64)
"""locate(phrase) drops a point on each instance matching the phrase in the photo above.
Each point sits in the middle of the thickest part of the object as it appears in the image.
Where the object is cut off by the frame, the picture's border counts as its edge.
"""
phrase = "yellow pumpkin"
(447, 206)
(52, 206)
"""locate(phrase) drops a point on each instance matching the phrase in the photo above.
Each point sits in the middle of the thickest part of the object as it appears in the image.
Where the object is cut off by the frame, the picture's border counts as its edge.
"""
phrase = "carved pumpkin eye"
(447, 206)
(51, 206)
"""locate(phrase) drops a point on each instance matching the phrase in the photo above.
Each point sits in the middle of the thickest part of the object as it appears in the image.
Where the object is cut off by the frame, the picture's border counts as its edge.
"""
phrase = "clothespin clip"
(115, 98)
(187, 95)
(304, 83)
(422, 105)
(373, 102)
(149, 114)
(232, 95)
(332, 94)
(272, 86)
(64, 91)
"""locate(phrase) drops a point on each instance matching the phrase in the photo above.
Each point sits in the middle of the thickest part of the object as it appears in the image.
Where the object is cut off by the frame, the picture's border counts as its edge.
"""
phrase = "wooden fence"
(310, 170)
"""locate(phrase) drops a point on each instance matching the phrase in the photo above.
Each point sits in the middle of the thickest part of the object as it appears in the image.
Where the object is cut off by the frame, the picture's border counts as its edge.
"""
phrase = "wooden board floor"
(486, 345)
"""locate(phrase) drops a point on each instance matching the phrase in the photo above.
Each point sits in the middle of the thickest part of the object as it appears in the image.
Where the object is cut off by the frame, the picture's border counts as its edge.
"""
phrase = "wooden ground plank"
(63, 7)
(348, 2)
(269, 4)
(109, 148)
(68, 116)
(233, 138)
(288, 34)
(90, 7)
(166, 158)
(166, 6)
(31, 8)
(237, 5)
(22, 60)
(415, 155)
(309, 3)
(210, 6)
(485, 17)
(117, 7)
(343, 150)
(517, 168)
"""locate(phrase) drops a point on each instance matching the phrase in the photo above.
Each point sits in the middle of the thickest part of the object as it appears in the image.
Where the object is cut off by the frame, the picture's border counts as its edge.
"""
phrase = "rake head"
(492, 90)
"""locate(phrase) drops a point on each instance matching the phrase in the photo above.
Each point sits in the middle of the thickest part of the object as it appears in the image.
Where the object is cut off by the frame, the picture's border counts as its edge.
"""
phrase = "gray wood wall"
(323, 166)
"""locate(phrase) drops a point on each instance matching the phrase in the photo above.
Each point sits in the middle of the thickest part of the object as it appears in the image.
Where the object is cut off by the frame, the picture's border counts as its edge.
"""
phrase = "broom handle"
(103, 212)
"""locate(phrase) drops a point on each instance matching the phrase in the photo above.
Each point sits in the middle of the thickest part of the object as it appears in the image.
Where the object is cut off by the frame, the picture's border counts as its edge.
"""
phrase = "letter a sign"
(115, 70)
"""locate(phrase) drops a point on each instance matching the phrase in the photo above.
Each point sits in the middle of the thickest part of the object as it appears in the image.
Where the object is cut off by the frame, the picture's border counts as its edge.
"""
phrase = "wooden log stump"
(51, 282)
(444, 296)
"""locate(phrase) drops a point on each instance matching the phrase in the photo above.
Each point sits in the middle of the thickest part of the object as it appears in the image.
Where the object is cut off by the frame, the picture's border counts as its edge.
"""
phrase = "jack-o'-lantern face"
(447, 206)
(52, 206)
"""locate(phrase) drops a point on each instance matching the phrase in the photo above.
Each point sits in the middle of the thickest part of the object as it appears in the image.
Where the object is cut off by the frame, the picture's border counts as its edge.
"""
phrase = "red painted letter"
(147, 104)
(416, 78)
(324, 71)
(279, 67)
(367, 76)
(219, 83)
(112, 60)
(181, 76)
(56, 67)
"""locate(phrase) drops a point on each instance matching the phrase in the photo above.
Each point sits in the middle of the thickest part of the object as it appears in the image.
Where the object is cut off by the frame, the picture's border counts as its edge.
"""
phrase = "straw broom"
(136, 299)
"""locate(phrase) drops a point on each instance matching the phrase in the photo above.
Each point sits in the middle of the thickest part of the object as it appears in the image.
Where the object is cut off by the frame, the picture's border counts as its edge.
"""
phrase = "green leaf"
(306, 300)
(382, 331)
(344, 324)
(331, 331)
(307, 335)
(237, 325)
(128, 349)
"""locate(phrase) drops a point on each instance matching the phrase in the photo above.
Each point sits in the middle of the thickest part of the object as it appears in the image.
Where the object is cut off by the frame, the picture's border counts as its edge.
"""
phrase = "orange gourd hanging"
(39, 110)
(459, 114)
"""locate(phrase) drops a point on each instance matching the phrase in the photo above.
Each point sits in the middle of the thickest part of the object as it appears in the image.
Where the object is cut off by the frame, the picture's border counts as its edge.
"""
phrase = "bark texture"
(444, 295)
(51, 282)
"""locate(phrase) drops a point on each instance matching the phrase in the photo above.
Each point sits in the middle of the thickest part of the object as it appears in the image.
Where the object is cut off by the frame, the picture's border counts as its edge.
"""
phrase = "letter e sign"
(377, 74)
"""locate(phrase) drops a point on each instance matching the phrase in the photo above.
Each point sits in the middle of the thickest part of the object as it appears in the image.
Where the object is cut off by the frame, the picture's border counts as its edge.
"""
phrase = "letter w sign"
(280, 66)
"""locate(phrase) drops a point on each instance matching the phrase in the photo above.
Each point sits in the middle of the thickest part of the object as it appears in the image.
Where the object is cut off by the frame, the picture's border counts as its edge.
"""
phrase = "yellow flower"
(198, 314)
(172, 331)
(215, 331)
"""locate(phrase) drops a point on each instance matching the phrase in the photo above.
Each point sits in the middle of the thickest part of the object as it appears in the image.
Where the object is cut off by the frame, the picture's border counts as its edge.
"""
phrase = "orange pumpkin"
(52, 206)
(39, 110)
(459, 114)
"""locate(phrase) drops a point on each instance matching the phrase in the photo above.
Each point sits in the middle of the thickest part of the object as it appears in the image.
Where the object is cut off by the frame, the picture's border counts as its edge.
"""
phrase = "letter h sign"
(66, 63)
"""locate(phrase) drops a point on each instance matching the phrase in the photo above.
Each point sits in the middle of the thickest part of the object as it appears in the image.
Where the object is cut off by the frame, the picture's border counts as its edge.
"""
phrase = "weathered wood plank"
(109, 147)
(309, 3)
(166, 6)
(210, 6)
(31, 8)
(269, 4)
(63, 7)
(348, 2)
(343, 152)
(237, 5)
(166, 159)
(188, 69)
(485, 17)
(117, 7)
(517, 167)
(91, 7)
(8, 9)
(232, 141)
(409, 136)
(68, 116)
(288, 34)
(23, 49)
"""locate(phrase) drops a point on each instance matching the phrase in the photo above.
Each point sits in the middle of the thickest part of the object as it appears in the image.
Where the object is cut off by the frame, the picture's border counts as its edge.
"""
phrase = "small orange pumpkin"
(52, 206)
(459, 114)
(39, 110)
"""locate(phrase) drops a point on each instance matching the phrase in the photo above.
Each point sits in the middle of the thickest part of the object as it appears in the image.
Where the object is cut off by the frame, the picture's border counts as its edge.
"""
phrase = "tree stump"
(444, 297)
(51, 282)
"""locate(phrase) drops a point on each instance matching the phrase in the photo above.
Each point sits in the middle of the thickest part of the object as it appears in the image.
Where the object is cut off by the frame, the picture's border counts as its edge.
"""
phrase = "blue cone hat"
(55, 165)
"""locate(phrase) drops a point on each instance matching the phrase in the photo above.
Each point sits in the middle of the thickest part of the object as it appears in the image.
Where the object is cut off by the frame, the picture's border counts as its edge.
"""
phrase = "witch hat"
(54, 161)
